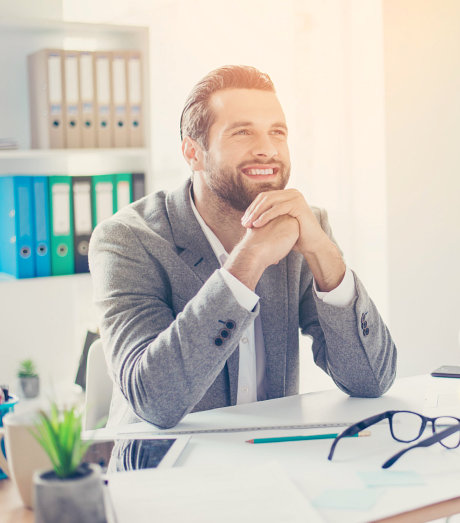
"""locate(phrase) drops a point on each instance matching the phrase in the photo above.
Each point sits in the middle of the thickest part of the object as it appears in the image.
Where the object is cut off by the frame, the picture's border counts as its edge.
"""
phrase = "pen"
(302, 438)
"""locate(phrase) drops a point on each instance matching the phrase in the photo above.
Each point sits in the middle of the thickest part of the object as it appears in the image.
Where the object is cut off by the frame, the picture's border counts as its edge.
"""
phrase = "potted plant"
(72, 490)
(29, 382)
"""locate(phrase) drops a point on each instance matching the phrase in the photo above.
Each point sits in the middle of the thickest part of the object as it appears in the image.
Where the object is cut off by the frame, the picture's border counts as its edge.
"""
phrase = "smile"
(260, 171)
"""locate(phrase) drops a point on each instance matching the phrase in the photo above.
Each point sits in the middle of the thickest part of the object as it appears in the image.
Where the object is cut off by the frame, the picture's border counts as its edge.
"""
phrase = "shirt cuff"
(243, 295)
(341, 296)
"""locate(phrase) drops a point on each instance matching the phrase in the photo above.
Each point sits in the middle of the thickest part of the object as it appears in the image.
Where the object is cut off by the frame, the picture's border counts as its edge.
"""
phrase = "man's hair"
(197, 116)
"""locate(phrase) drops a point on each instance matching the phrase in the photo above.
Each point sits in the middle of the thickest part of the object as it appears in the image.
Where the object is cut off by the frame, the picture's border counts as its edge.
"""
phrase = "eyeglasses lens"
(442, 423)
(406, 426)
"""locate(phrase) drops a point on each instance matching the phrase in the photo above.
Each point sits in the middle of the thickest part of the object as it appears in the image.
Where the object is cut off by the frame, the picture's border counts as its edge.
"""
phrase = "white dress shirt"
(249, 377)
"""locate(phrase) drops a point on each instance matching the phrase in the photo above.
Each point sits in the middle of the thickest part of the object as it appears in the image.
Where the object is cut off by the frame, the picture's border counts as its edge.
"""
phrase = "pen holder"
(6, 407)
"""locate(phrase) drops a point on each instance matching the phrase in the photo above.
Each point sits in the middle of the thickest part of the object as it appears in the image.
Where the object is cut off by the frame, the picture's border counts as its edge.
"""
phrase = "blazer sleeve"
(163, 363)
(352, 344)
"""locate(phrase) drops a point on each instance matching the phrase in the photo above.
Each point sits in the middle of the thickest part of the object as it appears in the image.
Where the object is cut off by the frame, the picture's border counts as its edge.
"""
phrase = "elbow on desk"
(163, 412)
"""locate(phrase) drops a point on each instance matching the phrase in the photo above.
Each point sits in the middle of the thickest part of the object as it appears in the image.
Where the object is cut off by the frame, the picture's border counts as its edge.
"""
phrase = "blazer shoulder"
(145, 216)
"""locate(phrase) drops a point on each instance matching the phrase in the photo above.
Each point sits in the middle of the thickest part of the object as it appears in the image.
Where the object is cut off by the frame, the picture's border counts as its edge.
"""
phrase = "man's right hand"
(262, 247)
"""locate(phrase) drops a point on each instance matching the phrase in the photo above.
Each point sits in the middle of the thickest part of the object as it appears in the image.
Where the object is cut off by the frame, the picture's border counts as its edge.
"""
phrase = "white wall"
(422, 77)
(327, 63)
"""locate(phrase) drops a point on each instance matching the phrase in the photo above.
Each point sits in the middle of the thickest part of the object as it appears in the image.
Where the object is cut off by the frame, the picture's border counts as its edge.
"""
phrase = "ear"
(193, 153)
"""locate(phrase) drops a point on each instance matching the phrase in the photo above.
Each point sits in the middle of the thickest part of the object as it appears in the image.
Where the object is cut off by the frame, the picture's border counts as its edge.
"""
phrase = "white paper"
(207, 495)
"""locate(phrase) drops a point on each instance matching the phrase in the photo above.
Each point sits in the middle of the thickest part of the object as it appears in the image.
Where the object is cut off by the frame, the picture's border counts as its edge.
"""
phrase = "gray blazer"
(162, 302)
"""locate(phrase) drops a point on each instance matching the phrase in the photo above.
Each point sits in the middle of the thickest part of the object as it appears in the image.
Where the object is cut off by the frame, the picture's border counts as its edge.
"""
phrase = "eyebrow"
(243, 123)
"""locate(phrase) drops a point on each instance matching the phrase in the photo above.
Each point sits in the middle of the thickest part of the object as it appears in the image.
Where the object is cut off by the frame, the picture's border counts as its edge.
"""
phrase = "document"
(135, 102)
(42, 245)
(72, 115)
(102, 76)
(46, 81)
(206, 495)
(17, 234)
(88, 128)
(120, 100)
(61, 205)
(82, 220)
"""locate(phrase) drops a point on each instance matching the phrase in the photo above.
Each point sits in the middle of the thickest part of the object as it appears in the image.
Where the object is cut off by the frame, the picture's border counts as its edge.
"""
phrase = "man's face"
(248, 151)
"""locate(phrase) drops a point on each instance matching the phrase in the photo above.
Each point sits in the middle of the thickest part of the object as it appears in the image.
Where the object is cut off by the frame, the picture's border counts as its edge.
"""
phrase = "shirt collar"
(216, 245)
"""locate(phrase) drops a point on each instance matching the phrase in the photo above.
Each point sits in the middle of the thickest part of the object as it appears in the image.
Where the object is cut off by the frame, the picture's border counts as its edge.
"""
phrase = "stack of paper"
(203, 495)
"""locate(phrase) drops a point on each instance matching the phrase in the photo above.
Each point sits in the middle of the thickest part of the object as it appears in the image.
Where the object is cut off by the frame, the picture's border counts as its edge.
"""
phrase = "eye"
(280, 132)
(241, 132)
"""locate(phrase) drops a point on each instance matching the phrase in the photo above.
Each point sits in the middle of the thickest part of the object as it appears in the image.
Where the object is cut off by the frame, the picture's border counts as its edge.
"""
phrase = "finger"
(263, 196)
(272, 213)
(263, 203)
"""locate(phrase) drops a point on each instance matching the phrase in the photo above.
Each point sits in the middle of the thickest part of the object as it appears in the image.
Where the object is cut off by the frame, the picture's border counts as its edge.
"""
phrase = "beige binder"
(120, 99)
(46, 99)
(72, 116)
(135, 101)
(87, 95)
(102, 77)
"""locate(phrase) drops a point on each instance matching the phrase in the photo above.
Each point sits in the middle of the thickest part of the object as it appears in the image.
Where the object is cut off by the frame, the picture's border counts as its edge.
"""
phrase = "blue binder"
(17, 226)
(42, 248)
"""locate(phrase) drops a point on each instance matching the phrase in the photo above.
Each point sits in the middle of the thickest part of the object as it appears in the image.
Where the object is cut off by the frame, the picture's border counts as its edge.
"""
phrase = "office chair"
(98, 387)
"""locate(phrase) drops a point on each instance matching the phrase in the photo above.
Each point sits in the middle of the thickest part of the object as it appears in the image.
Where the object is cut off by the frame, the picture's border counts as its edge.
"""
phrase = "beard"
(231, 186)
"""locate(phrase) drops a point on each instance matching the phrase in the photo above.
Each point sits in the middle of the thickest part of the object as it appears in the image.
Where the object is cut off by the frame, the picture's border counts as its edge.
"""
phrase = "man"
(202, 291)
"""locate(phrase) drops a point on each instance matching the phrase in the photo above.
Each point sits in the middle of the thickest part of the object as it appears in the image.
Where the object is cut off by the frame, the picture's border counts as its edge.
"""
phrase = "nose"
(263, 147)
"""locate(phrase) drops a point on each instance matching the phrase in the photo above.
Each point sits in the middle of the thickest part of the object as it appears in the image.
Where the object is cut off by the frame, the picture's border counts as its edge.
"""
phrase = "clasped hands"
(278, 222)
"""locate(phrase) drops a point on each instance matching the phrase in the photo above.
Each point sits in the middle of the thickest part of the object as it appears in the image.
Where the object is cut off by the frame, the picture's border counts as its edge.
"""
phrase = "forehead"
(251, 105)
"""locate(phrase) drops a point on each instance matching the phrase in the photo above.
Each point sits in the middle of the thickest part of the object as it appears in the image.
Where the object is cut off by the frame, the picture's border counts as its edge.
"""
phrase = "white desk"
(306, 462)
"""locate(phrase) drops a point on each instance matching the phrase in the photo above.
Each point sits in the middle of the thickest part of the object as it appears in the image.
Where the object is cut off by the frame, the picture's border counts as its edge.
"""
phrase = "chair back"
(98, 387)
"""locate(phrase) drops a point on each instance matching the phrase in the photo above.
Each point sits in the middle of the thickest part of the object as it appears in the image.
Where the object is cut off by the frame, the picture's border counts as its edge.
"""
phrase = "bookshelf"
(46, 319)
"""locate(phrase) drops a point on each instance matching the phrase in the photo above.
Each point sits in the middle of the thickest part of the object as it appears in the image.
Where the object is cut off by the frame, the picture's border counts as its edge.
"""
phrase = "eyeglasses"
(407, 426)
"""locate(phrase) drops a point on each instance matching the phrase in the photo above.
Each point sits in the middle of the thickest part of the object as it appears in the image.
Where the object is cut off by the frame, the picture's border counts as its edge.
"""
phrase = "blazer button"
(218, 341)
(230, 324)
(365, 332)
(224, 333)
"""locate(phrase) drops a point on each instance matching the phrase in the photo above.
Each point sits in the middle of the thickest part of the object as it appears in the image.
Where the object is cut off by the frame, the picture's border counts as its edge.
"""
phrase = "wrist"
(244, 263)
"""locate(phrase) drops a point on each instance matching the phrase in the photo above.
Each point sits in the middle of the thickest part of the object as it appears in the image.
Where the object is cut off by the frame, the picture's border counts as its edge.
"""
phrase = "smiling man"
(203, 291)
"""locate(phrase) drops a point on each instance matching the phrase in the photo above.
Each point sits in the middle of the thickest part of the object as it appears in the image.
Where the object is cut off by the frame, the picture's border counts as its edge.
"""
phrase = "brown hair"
(197, 116)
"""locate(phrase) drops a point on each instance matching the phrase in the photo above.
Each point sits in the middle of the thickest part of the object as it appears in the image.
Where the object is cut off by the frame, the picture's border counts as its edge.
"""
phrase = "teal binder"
(61, 218)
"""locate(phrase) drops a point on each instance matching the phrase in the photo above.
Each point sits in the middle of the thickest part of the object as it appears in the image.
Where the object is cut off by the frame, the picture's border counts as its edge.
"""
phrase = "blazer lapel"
(197, 254)
(194, 248)
(272, 289)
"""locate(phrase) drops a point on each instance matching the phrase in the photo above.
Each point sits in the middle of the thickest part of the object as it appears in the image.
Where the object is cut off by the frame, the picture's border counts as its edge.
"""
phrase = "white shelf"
(18, 154)
(58, 26)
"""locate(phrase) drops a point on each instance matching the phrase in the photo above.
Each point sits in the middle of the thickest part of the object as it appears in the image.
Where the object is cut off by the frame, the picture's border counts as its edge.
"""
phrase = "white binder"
(46, 99)
(135, 101)
(102, 76)
(72, 116)
(120, 99)
(88, 124)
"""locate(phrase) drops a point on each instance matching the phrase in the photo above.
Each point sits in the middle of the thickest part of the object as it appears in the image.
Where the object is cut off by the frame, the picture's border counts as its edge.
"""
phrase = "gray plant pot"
(29, 386)
(74, 500)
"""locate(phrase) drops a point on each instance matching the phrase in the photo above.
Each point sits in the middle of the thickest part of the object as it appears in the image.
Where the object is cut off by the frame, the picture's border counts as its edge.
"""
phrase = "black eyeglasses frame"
(389, 414)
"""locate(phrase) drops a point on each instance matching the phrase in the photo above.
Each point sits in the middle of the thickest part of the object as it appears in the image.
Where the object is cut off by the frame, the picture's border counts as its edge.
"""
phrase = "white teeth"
(259, 171)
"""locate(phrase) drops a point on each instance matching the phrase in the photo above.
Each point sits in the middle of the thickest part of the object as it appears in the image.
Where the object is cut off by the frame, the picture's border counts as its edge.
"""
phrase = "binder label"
(24, 216)
(134, 76)
(123, 194)
(104, 201)
(82, 208)
(103, 80)
(61, 209)
(54, 79)
(86, 78)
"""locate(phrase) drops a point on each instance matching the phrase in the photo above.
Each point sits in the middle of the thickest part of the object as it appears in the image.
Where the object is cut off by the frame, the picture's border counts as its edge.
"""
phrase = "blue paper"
(352, 499)
(393, 478)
